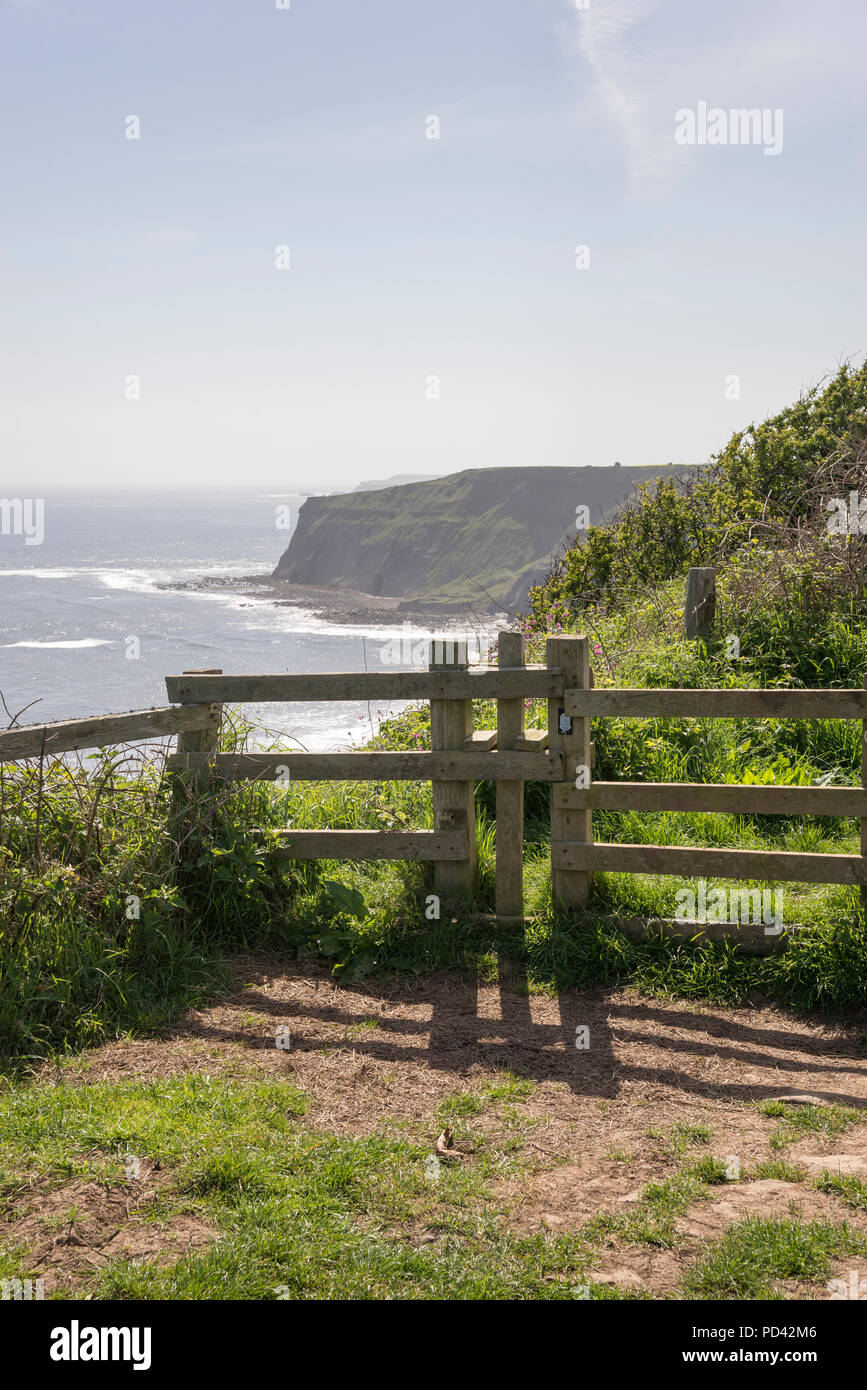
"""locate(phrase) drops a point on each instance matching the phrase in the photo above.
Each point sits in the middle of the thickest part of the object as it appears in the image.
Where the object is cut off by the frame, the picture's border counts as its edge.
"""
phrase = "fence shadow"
(453, 1026)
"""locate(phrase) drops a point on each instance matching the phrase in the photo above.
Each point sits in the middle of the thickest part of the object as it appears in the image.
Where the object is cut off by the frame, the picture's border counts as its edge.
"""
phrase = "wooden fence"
(509, 755)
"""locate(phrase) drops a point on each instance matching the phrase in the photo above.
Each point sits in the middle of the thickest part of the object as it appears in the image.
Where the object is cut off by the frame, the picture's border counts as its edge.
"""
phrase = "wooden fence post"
(451, 722)
(700, 609)
(570, 736)
(194, 741)
(510, 795)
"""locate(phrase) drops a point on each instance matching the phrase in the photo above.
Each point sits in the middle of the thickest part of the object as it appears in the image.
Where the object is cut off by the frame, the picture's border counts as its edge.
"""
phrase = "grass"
(653, 1220)
(800, 1120)
(850, 1189)
(779, 1170)
(298, 1213)
(756, 1255)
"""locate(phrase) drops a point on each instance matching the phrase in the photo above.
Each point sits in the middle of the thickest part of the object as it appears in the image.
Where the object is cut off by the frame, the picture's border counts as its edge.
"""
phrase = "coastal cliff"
(481, 537)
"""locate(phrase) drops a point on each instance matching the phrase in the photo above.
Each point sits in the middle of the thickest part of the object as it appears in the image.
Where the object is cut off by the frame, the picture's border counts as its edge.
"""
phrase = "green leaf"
(347, 899)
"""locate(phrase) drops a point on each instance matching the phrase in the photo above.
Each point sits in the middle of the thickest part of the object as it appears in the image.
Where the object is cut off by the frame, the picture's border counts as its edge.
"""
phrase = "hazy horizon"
(269, 489)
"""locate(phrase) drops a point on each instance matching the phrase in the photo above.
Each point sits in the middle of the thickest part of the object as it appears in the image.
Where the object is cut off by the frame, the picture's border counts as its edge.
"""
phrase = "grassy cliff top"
(481, 536)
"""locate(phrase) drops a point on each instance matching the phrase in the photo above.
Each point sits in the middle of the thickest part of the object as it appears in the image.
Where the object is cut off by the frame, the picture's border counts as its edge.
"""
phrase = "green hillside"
(765, 494)
(480, 537)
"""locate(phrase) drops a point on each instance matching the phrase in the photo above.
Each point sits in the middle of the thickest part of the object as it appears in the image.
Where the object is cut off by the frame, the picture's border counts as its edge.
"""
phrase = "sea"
(87, 626)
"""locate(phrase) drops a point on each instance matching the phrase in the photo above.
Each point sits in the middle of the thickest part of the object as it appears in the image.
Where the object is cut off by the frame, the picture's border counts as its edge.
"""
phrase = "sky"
(345, 242)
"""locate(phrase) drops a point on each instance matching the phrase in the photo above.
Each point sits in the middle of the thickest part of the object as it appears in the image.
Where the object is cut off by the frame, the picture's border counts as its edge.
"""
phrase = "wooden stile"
(510, 756)
(570, 884)
(436, 845)
(451, 723)
(437, 683)
(454, 765)
(371, 844)
(509, 889)
(532, 740)
(481, 741)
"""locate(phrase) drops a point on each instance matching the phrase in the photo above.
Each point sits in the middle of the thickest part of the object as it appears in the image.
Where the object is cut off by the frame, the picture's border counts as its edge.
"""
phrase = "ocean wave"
(132, 581)
(80, 642)
(64, 573)
(140, 581)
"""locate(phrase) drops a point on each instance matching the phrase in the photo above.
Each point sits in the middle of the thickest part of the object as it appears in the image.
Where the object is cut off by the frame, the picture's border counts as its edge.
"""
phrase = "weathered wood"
(481, 740)
(748, 937)
(200, 743)
(733, 798)
(422, 845)
(718, 704)
(509, 880)
(480, 683)
(451, 723)
(532, 740)
(758, 865)
(205, 739)
(570, 883)
(66, 735)
(378, 767)
(700, 610)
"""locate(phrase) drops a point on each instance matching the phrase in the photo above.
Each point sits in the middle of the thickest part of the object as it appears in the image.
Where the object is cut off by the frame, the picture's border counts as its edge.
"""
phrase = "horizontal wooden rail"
(420, 845)
(758, 865)
(34, 740)
(717, 704)
(749, 937)
(376, 767)
(734, 798)
(483, 683)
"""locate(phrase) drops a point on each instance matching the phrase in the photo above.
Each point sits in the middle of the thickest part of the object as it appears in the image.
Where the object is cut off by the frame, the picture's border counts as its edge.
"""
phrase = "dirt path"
(366, 1053)
(375, 1057)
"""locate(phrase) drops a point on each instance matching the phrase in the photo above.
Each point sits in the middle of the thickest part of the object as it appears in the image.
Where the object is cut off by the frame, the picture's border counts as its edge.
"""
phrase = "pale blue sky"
(413, 257)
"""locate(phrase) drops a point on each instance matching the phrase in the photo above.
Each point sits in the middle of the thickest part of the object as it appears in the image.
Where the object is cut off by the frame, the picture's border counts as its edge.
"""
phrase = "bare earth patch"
(73, 1230)
(597, 1125)
(841, 1154)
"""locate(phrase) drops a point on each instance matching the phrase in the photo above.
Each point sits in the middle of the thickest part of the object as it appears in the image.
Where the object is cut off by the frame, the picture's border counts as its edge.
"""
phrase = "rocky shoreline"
(348, 606)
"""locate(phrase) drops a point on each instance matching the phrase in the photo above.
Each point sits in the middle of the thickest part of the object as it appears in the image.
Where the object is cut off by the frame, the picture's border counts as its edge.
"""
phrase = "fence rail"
(439, 845)
(718, 704)
(38, 740)
(509, 755)
(733, 798)
(778, 865)
(481, 683)
(376, 767)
